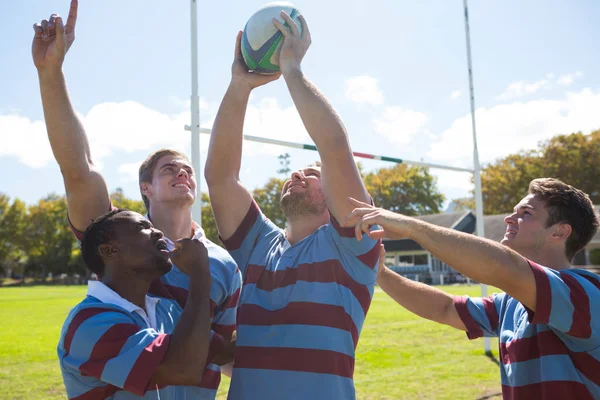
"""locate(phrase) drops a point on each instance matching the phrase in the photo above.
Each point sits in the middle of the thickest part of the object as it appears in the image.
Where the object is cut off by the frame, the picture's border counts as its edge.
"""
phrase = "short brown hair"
(568, 205)
(147, 168)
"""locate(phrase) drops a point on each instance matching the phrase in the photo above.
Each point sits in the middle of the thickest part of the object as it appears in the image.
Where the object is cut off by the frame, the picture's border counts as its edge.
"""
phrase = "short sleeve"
(254, 230)
(568, 302)
(108, 345)
(481, 315)
(359, 258)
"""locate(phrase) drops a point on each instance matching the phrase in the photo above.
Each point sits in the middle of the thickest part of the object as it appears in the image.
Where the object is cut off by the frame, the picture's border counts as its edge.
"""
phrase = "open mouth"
(162, 246)
(183, 185)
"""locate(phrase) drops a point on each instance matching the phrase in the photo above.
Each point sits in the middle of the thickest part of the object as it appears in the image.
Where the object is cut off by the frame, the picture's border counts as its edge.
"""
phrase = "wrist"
(53, 72)
(290, 69)
(240, 86)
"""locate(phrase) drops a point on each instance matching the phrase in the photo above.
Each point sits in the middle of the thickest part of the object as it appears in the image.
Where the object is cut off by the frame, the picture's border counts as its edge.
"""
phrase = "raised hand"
(295, 44)
(393, 226)
(240, 72)
(53, 38)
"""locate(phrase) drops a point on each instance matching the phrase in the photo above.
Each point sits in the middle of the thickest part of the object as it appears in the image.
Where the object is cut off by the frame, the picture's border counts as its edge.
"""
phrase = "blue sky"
(394, 69)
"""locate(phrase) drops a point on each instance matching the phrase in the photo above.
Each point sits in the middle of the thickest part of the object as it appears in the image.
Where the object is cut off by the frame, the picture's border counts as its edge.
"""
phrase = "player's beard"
(299, 204)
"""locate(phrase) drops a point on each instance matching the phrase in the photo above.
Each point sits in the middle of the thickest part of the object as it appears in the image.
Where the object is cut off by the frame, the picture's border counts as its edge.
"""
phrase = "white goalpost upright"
(476, 165)
(195, 113)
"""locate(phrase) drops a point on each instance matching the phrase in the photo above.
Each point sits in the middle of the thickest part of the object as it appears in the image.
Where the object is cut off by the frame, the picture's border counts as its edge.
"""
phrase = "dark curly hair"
(100, 231)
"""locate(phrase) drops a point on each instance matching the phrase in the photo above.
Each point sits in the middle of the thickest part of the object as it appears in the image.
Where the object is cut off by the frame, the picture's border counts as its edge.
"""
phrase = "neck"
(301, 226)
(551, 258)
(174, 221)
(132, 290)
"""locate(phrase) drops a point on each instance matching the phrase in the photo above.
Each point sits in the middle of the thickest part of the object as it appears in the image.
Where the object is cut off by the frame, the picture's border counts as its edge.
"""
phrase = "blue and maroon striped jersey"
(224, 296)
(106, 351)
(552, 353)
(301, 310)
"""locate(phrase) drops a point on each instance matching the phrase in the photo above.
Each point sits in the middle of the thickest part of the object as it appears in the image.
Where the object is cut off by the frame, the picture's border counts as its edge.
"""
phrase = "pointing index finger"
(72, 19)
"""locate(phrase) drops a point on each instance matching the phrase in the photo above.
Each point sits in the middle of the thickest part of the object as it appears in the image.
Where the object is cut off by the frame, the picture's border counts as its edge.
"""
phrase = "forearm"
(321, 121)
(421, 299)
(65, 132)
(480, 259)
(225, 151)
(186, 358)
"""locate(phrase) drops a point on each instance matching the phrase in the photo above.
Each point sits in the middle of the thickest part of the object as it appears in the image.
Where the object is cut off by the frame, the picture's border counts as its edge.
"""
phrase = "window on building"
(406, 260)
(420, 259)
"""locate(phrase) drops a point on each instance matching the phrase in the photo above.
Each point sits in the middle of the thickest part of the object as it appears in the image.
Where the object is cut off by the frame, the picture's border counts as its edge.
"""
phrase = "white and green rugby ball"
(261, 41)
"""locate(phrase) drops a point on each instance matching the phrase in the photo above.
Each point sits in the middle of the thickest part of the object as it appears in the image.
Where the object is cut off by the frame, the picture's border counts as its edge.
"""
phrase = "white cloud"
(363, 90)
(129, 172)
(130, 126)
(567, 79)
(25, 139)
(455, 95)
(399, 124)
(509, 128)
(522, 88)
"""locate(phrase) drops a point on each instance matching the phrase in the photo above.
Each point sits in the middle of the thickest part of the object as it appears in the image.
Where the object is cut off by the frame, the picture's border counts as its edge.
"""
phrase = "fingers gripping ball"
(261, 41)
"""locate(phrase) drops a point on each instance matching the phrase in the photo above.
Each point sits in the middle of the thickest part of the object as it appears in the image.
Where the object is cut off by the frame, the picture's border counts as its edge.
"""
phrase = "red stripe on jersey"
(330, 271)
(370, 257)
(210, 379)
(490, 311)
(543, 296)
(158, 288)
(236, 240)
(232, 301)
(98, 393)
(547, 390)
(587, 365)
(107, 347)
(215, 347)
(545, 343)
(594, 280)
(343, 232)
(225, 330)
(146, 364)
(299, 313)
(582, 318)
(473, 330)
(79, 319)
(294, 359)
(178, 293)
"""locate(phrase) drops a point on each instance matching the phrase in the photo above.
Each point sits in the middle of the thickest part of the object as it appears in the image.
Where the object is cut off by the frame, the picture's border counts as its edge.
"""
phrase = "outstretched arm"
(480, 259)
(339, 172)
(229, 199)
(87, 193)
(421, 299)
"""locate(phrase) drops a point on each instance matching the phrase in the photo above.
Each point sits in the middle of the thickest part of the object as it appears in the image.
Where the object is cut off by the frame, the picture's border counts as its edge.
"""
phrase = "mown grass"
(399, 356)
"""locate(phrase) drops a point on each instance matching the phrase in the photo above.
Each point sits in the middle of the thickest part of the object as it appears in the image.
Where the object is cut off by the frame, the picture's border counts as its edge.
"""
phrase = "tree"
(12, 225)
(574, 159)
(268, 197)
(208, 220)
(409, 190)
(120, 201)
(48, 240)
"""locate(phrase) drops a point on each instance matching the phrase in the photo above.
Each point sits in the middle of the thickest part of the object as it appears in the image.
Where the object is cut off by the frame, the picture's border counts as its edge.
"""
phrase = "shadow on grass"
(492, 358)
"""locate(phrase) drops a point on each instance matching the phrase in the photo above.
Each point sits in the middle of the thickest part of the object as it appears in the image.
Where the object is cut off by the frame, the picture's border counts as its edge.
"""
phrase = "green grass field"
(399, 356)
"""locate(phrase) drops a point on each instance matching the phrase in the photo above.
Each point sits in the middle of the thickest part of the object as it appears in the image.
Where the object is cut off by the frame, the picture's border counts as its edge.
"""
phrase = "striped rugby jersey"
(224, 296)
(301, 310)
(110, 351)
(552, 353)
